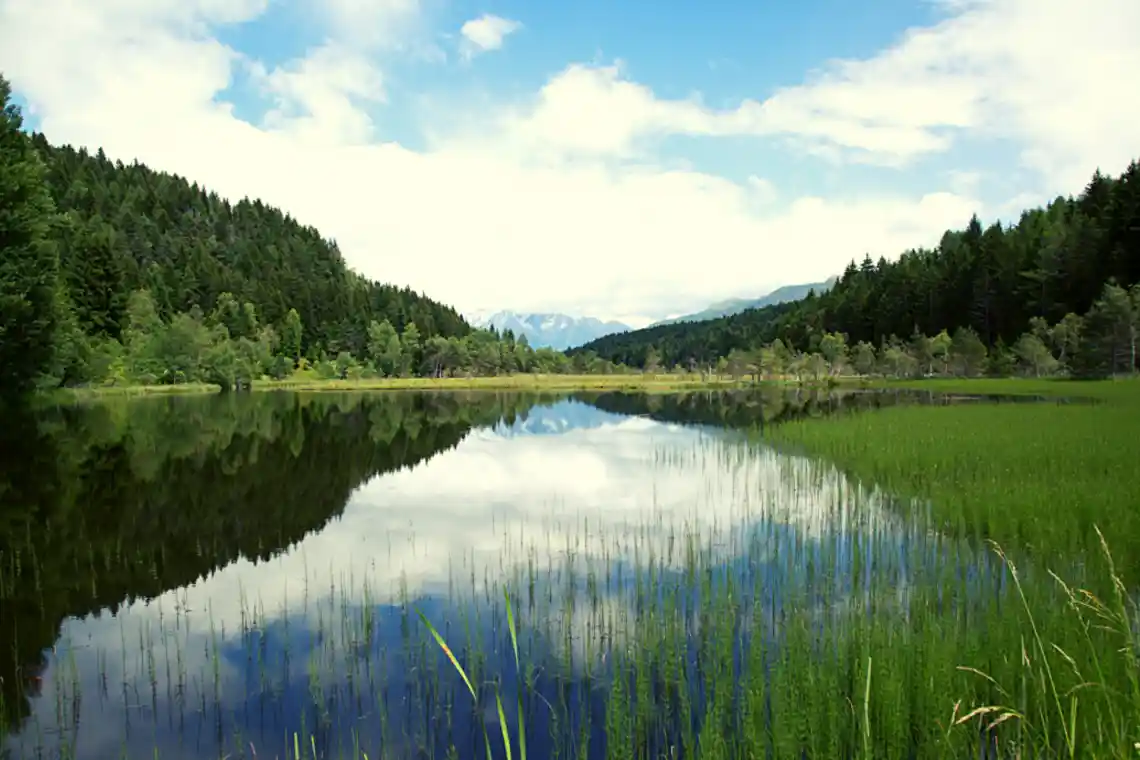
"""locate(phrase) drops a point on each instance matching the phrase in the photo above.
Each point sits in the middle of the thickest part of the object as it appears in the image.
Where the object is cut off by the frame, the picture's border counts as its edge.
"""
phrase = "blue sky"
(623, 160)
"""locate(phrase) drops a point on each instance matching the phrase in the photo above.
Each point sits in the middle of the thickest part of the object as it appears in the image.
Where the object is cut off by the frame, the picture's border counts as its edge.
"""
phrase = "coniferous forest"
(1056, 292)
(116, 274)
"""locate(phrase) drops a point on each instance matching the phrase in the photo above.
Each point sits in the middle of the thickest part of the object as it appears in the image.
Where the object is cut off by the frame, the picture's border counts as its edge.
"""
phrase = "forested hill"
(128, 227)
(1057, 261)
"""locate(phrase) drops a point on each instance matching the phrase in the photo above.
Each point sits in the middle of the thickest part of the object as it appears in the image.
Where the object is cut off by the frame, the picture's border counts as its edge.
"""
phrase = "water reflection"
(242, 575)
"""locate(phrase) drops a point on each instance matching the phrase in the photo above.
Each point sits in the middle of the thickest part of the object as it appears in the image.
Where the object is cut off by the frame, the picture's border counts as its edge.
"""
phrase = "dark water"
(241, 575)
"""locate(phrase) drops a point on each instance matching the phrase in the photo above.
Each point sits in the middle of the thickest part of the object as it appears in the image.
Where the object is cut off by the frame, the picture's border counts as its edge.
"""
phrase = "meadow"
(308, 381)
(1039, 477)
(733, 599)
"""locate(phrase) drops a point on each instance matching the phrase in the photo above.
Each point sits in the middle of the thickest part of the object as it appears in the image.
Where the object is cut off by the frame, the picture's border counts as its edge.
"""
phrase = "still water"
(244, 576)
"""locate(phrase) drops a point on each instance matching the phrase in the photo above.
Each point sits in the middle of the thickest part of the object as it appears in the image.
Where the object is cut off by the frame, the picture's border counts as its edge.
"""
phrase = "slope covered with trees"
(1058, 289)
(116, 274)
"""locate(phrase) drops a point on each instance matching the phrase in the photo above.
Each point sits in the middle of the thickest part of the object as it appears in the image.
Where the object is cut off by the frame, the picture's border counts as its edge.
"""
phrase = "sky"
(628, 160)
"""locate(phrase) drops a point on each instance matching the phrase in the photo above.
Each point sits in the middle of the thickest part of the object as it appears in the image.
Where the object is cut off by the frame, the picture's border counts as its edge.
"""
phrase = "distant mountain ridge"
(736, 305)
(557, 331)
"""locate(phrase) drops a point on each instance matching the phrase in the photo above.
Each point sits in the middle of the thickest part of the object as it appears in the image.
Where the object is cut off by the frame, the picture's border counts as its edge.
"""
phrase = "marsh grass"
(1034, 477)
(663, 382)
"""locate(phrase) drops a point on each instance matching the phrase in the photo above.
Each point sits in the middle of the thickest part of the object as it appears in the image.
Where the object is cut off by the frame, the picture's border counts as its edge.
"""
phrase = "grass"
(1034, 477)
(663, 382)
(309, 382)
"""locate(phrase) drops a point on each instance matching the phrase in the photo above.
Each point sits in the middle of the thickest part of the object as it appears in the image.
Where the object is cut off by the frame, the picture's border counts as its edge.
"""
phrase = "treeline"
(231, 347)
(1071, 266)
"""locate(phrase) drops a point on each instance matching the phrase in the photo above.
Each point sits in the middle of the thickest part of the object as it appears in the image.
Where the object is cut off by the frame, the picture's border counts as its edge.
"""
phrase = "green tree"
(384, 347)
(1108, 340)
(29, 261)
(221, 364)
(833, 347)
(94, 275)
(922, 349)
(940, 350)
(1066, 337)
(182, 349)
(411, 353)
(967, 352)
(652, 360)
(524, 355)
(143, 336)
(1033, 354)
(864, 358)
(291, 332)
(228, 312)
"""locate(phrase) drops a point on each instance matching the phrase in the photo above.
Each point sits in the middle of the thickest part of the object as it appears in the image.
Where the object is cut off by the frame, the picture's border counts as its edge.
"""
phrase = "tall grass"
(1031, 476)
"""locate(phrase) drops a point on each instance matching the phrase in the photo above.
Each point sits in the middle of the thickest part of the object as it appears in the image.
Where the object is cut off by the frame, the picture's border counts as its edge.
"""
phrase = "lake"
(245, 575)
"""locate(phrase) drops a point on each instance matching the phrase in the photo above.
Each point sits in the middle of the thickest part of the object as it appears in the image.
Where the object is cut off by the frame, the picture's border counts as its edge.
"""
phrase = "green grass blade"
(503, 726)
(463, 674)
(518, 669)
(447, 651)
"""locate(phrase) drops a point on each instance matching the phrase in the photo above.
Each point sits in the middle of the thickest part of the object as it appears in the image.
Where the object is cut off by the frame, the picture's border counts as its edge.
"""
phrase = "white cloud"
(486, 33)
(317, 97)
(372, 23)
(1052, 75)
(762, 188)
(560, 203)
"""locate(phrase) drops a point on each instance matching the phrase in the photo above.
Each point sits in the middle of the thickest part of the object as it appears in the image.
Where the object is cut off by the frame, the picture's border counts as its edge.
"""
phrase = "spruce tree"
(29, 262)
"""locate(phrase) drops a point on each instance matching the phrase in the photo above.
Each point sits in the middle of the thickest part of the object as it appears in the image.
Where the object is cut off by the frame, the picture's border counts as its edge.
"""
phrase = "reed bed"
(1035, 477)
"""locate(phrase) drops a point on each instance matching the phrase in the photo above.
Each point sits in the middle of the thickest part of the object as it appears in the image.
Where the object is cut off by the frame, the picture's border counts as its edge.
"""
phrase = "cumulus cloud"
(318, 97)
(560, 201)
(1049, 74)
(486, 33)
(372, 24)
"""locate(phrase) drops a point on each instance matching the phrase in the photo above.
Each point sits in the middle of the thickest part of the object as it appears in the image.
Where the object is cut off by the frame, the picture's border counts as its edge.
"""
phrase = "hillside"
(130, 227)
(557, 331)
(1075, 257)
(736, 305)
(113, 273)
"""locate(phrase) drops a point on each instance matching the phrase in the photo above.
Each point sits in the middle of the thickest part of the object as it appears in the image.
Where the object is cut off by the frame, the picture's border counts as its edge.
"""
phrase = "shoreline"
(658, 383)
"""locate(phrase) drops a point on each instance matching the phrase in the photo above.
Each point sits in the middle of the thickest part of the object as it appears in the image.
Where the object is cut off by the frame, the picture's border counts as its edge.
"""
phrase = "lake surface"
(244, 576)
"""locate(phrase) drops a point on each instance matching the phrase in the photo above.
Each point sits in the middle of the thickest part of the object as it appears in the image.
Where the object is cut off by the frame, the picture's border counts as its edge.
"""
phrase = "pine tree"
(29, 262)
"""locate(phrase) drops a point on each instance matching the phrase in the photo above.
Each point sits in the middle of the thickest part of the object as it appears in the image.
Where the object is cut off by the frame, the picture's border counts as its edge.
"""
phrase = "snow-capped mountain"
(557, 331)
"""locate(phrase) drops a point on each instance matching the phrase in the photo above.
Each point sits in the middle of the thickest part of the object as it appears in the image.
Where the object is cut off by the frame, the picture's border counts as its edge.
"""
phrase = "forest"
(1057, 292)
(117, 274)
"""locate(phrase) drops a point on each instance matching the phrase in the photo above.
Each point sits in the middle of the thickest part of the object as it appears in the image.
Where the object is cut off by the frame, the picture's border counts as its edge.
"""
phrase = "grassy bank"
(1032, 476)
(309, 382)
(522, 382)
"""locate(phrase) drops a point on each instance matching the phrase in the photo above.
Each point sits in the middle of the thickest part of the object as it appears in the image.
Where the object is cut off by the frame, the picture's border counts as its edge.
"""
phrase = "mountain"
(557, 331)
(736, 305)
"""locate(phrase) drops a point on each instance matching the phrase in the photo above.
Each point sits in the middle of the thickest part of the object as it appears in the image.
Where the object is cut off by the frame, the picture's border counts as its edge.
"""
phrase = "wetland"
(749, 573)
